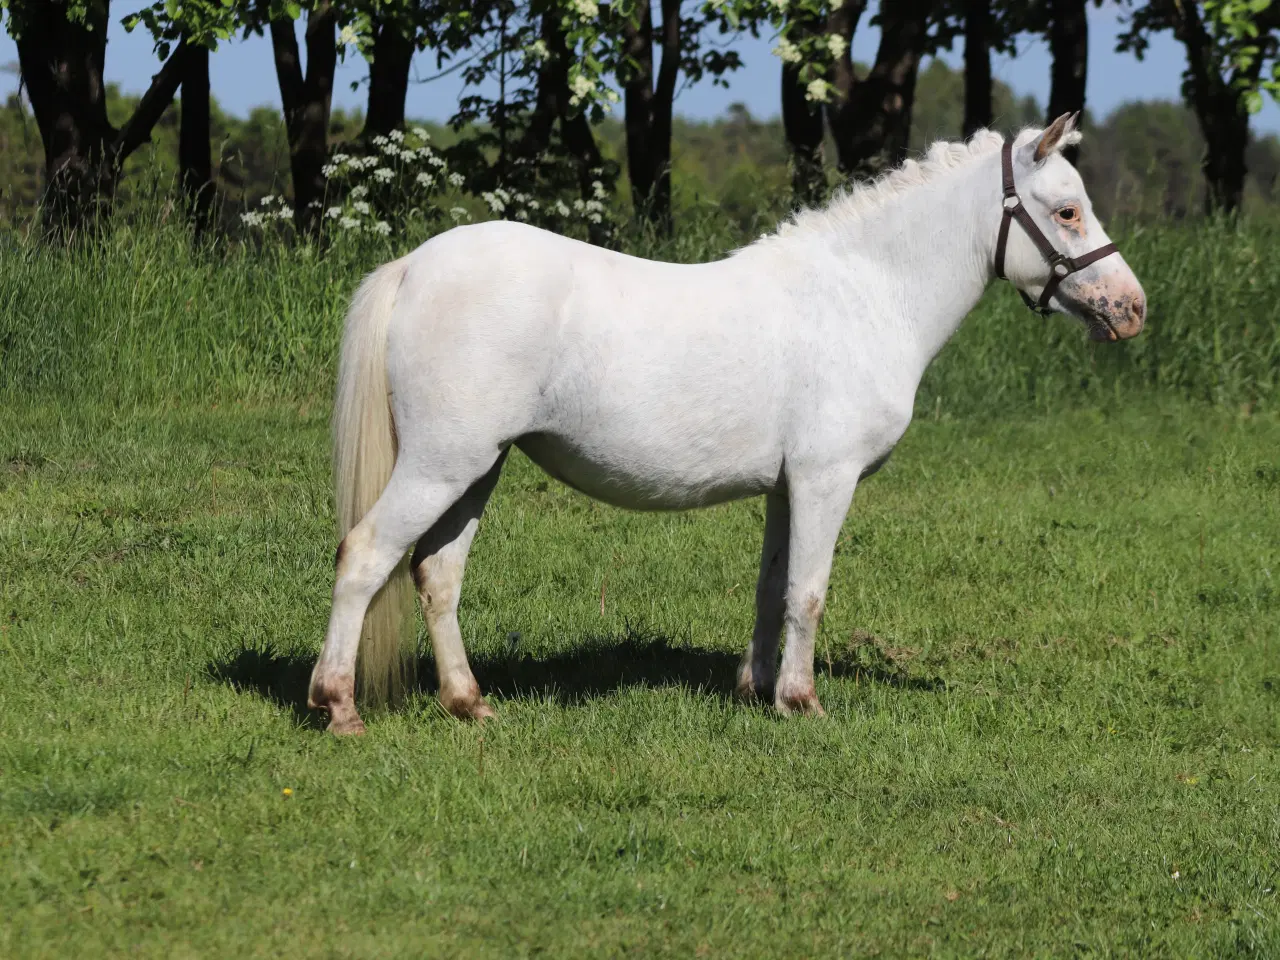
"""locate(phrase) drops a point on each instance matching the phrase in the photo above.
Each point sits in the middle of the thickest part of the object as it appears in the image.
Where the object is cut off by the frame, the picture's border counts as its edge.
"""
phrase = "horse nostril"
(1139, 308)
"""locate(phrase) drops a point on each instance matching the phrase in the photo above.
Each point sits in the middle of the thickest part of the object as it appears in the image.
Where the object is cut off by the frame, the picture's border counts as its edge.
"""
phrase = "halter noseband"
(1060, 266)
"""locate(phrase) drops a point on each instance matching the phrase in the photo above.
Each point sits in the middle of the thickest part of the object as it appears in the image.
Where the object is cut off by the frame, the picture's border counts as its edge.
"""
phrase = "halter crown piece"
(1060, 266)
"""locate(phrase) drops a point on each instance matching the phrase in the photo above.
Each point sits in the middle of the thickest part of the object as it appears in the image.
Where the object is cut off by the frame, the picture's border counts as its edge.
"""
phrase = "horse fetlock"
(755, 683)
(336, 696)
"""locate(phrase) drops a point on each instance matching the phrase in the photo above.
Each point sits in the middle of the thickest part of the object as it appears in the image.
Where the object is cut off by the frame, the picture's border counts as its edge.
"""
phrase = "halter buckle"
(1012, 202)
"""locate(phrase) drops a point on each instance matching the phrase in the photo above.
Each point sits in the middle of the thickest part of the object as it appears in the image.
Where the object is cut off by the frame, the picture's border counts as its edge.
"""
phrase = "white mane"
(853, 203)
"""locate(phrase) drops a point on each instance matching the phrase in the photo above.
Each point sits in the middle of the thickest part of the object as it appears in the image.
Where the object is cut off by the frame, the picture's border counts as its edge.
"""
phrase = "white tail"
(364, 453)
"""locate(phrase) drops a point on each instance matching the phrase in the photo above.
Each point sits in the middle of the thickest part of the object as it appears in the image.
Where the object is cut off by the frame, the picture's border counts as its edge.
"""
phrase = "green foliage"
(1048, 661)
(1231, 40)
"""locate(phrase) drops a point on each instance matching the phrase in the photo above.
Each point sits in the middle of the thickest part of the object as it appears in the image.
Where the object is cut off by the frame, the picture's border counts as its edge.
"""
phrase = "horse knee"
(358, 565)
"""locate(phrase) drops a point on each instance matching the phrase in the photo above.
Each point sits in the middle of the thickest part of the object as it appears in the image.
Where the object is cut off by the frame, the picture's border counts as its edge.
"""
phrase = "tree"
(62, 53)
(393, 31)
(977, 66)
(802, 117)
(1231, 61)
(199, 25)
(1069, 47)
(649, 95)
(306, 99)
(545, 60)
(872, 122)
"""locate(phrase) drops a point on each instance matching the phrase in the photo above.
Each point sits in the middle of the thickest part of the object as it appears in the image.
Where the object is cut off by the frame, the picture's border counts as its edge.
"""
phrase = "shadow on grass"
(594, 667)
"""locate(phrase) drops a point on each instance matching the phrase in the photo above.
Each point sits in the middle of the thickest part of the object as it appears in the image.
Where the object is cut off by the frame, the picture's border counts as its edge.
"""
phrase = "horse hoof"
(803, 704)
(752, 694)
(346, 727)
(468, 708)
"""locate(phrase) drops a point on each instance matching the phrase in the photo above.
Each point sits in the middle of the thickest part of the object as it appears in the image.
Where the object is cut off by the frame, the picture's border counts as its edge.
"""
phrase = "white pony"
(788, 370)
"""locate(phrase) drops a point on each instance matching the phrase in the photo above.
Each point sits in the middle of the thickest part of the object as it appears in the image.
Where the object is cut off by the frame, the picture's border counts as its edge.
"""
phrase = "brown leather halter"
(1060, 266)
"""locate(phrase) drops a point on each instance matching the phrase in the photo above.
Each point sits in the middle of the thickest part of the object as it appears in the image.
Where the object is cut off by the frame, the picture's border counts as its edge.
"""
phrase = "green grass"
(1049, 662)
(142, 317)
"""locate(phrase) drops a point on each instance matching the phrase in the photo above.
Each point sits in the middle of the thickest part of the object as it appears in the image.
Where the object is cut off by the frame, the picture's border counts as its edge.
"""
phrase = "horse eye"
(1067, 213)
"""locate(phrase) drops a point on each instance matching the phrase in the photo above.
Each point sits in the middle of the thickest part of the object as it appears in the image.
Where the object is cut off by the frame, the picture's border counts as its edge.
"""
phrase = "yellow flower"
(287, 791)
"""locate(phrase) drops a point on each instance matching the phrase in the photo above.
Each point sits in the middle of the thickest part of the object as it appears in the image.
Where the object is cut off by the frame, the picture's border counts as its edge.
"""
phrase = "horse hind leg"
(438, 564)
(367, 557)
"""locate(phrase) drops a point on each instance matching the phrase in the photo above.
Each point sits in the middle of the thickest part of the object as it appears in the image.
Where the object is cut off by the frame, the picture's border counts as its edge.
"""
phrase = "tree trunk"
(977, 66)
(195, 156)
(551, 104)
(62, 68)
(1227, 139)
(1220, 110)
(306, 100)
(1069, 46)
(62, 64)
(802, 124)
(637, 37)
(393, 49)
(873, 129)
(843, 22)
(649, 104)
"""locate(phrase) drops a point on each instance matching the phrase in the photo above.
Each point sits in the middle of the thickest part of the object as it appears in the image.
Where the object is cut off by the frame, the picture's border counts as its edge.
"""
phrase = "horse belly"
(651, 479)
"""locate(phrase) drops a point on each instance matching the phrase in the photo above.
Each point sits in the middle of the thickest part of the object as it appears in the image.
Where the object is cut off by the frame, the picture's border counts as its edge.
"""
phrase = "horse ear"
(1050, 139)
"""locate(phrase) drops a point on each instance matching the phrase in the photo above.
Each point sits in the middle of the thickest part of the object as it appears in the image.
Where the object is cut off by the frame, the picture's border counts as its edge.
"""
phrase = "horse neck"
(934, 245)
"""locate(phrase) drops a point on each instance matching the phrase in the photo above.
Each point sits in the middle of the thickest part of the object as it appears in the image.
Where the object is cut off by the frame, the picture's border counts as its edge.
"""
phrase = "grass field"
(1049, 662)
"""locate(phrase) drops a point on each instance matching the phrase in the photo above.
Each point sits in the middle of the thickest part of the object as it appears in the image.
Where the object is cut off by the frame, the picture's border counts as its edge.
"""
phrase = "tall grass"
(142, 316)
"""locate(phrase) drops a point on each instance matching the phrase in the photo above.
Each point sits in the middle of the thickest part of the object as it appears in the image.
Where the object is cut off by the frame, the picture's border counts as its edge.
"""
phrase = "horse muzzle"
(1112, 316)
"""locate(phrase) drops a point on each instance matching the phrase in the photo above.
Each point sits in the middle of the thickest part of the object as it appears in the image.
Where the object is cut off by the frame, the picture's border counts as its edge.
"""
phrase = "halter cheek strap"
(1060, 266)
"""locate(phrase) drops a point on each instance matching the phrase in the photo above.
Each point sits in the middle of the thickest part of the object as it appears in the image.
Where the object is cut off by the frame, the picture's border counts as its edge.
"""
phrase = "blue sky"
(242, 74)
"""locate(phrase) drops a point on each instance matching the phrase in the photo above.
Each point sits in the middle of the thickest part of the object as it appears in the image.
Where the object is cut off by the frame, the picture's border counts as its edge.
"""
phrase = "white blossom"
(383, 174)
(586, 9)
(382, 228)
(538, 50)
(786, 51)
(361, 207)
(348, 36)
(397, 136)
(348, 223)
(818, 90)
(837, 45)
(333, 213)
(459, 214)
(561, 208)
(579, 87)
(359, 191)
(268, 200)
(421, 133)
(424, 179)
(457, 179)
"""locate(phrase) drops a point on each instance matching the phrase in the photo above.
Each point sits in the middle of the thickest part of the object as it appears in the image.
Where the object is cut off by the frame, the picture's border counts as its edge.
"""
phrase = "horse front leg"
(759, 668)
(818, 506)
